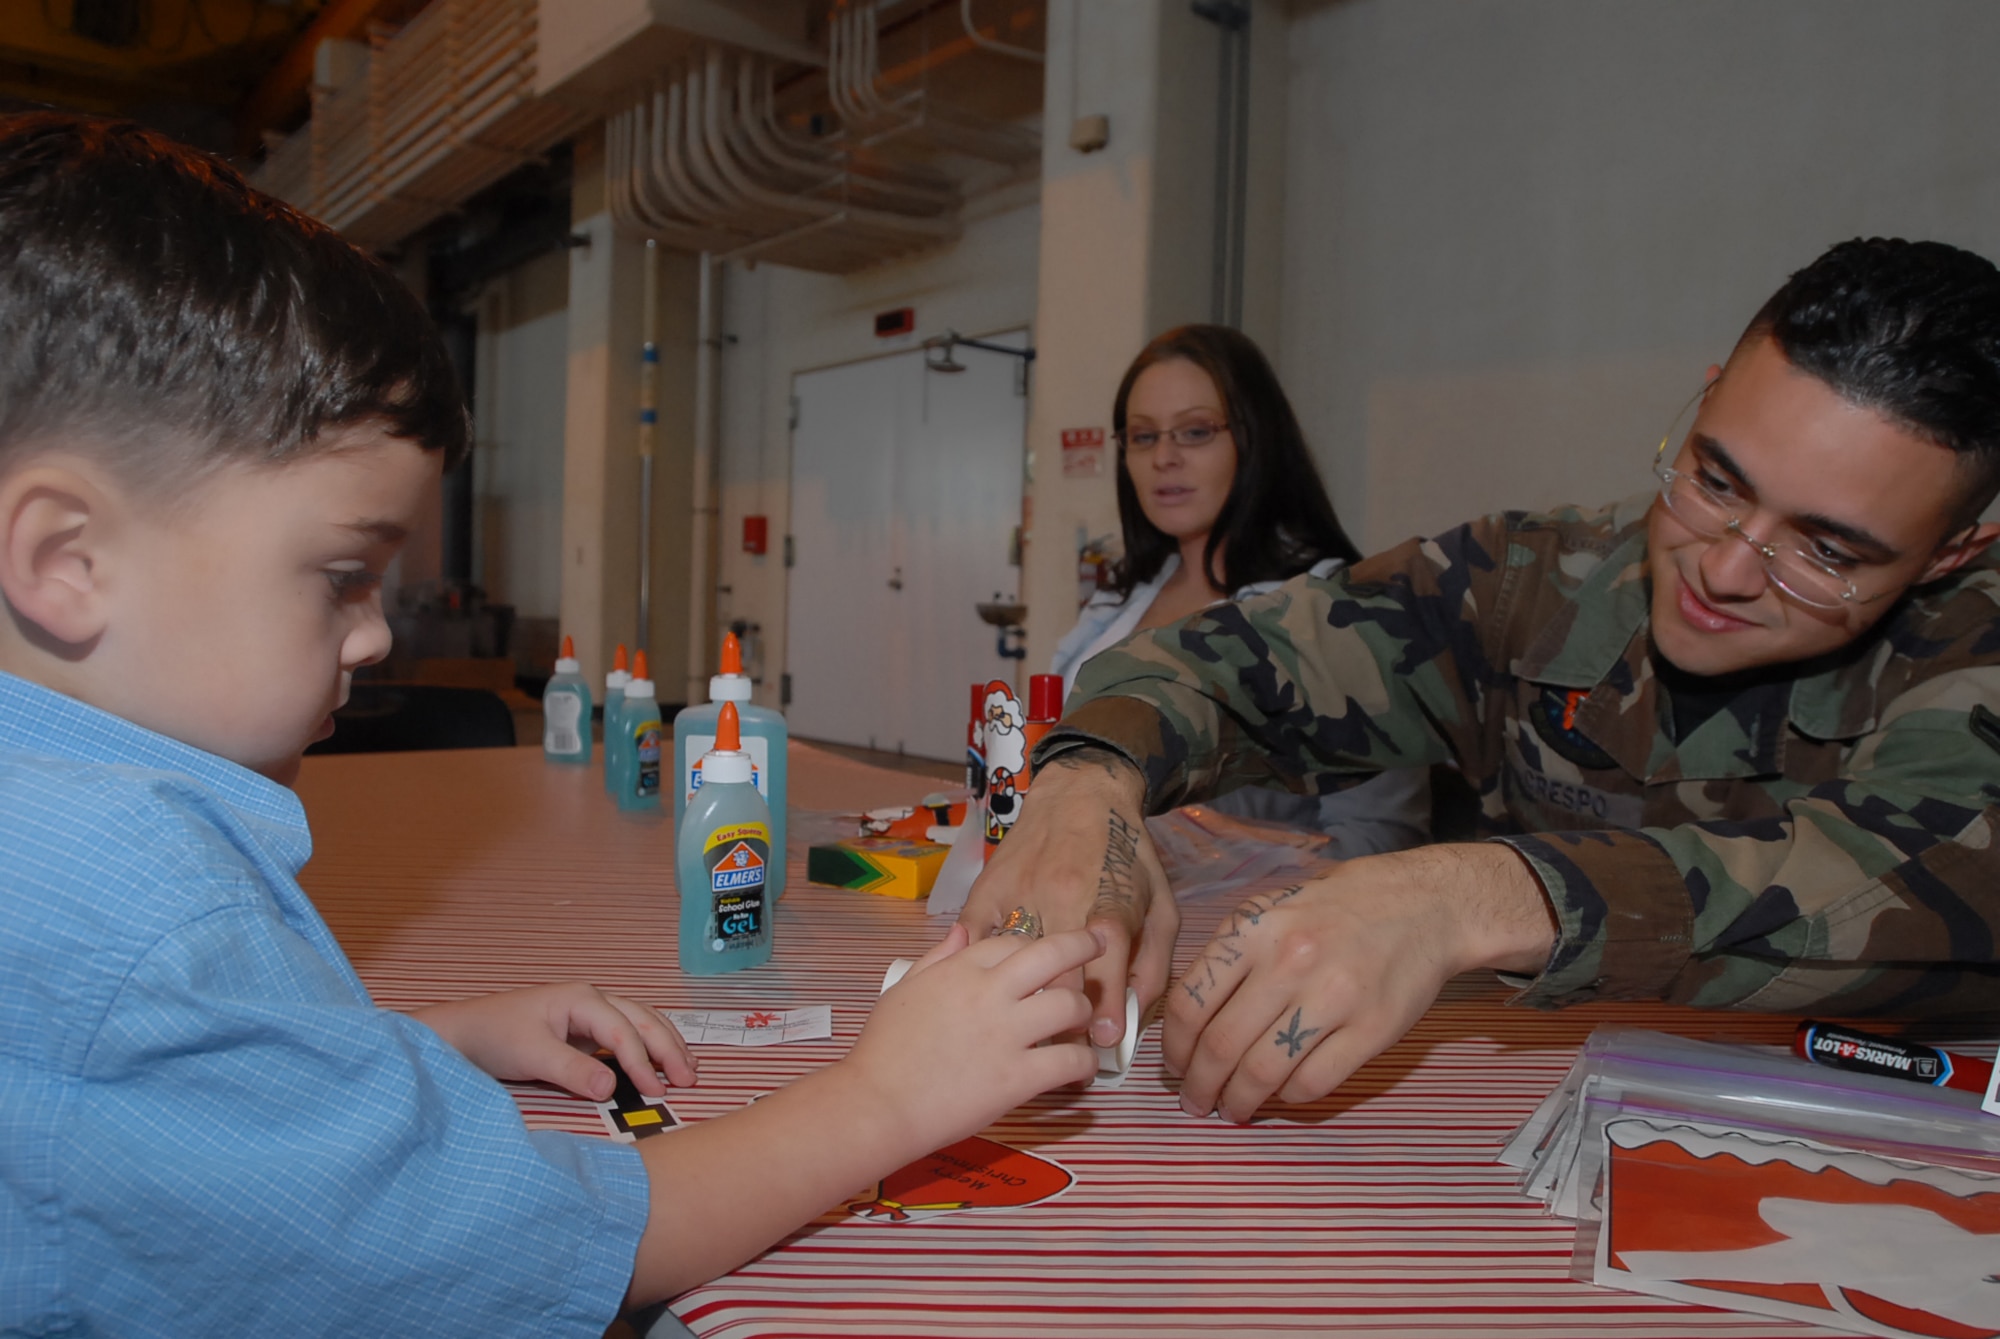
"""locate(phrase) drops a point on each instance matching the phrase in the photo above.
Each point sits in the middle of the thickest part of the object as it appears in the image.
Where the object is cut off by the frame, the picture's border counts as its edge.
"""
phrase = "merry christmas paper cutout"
(975, 1173)
(1801, 1230)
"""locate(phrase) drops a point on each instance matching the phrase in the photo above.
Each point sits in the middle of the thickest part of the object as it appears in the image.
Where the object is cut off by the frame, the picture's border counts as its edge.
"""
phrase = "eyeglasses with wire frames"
(1188, 436)
(1708, 505)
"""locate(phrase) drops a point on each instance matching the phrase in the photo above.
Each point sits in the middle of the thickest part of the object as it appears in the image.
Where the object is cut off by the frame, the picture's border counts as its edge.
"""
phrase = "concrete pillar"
(600, 526)
(1127, 246)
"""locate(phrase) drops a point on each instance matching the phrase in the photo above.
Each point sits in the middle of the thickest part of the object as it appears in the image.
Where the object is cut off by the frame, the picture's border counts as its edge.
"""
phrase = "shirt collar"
(1609, 605)
(41, 722)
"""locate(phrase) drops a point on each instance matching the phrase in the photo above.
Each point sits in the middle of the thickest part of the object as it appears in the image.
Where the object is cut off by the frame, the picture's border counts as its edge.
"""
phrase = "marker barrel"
(1866, 1053)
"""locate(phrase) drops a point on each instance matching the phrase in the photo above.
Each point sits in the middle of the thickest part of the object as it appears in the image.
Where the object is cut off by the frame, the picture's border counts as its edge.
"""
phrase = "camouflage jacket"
(1826, 841)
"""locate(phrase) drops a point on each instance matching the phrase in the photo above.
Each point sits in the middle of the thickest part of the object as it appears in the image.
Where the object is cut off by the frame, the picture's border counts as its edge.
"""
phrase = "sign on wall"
(1083, 453)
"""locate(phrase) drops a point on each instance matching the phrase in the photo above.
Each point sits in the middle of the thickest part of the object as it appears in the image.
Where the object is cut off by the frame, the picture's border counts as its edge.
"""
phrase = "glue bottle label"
(646, 740)
(737, 858)
(562, 715)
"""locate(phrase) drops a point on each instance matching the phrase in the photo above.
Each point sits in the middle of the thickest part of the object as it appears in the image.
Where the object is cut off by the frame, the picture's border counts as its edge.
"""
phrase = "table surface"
(1379, 1209)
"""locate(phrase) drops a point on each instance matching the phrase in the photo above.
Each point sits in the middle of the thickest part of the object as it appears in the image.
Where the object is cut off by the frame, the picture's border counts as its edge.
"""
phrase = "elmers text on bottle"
(737, 858)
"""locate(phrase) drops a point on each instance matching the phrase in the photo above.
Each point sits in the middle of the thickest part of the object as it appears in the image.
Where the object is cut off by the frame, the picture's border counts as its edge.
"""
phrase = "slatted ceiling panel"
(446, 109)
(1378, 1210)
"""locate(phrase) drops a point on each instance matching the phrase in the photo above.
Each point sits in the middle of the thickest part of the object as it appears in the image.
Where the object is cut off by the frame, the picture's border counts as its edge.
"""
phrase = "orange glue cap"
(569, 648)
(728, 733)
(641, 680)
(618, 660)
(732, 684)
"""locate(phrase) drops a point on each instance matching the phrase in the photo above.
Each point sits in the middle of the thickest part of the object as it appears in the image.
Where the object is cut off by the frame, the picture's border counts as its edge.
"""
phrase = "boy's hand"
(546, 1033)
(957, 1041)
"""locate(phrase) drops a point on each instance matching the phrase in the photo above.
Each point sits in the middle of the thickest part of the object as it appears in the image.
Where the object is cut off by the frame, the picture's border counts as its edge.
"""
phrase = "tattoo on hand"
(1226, 948)
(1117, 881)
(1294, 1038)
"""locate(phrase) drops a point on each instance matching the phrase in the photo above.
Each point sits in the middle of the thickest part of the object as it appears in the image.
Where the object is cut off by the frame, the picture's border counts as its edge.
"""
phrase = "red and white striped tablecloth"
(1378, 1210)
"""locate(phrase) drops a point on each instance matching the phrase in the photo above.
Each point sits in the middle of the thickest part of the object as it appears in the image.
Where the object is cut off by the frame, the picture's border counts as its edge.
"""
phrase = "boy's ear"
(53, 525)
(1959, 550)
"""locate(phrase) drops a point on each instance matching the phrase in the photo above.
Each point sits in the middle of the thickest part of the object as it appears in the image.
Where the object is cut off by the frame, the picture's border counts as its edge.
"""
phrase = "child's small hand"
(547, 1032)
(958, 1041)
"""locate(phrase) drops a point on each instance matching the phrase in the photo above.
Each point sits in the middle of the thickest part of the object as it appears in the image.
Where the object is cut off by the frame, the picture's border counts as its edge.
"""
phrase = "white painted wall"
(778, 322)
(518, 426)
(1128, 241)
(1518, 230)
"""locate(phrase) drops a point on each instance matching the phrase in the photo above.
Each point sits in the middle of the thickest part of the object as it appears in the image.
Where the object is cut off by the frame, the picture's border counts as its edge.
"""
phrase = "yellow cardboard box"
(877, 865)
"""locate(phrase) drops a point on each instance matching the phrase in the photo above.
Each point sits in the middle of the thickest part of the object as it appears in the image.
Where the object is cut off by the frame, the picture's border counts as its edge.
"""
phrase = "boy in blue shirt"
(218, 421)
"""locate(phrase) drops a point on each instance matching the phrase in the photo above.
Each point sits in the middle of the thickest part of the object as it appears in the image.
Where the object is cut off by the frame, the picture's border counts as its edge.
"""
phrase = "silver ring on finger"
(1021, 921)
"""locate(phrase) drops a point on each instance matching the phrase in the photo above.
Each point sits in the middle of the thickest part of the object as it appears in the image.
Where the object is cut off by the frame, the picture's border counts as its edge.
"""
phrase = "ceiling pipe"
(986, 43)
(701, 155)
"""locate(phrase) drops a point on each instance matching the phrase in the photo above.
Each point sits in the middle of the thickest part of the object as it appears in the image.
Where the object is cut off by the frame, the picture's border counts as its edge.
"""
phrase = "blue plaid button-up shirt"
(206, 1126)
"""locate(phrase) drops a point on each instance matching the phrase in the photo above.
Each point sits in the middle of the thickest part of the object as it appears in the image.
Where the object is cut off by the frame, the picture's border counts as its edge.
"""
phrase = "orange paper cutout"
(1668, 1198)
(975, 1173)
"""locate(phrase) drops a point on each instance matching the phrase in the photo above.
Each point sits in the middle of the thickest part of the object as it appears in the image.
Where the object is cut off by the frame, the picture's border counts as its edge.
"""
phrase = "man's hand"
(545, 1034)
(1079, 857)
(1299, 988)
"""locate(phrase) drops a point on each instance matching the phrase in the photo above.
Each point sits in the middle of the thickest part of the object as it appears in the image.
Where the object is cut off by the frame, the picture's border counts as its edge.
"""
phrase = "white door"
(906, 491)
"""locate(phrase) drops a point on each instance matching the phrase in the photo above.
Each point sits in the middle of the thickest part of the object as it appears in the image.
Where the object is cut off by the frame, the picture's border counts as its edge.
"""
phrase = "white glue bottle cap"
(732, 685)
(566, 663)
(726, 763)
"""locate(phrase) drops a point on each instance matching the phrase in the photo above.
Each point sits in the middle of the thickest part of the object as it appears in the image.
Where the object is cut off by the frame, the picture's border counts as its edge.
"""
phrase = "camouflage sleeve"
(1320, 682)
(1875, 892)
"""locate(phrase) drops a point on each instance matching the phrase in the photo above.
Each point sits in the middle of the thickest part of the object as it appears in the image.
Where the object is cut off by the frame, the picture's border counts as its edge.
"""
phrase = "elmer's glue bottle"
(566, 711)
(614, 702)
(638, 772)
(723, 847)
(764, 738)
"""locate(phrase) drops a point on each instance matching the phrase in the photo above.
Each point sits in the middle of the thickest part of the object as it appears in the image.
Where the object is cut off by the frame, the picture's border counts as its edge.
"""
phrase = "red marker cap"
(1045, 695)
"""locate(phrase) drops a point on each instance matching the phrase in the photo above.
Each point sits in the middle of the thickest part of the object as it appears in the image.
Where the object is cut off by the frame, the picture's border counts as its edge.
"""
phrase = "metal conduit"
(701, 161)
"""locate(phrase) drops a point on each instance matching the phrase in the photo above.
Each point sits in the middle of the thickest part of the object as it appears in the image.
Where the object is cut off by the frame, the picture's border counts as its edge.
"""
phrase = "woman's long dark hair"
(1277, 521)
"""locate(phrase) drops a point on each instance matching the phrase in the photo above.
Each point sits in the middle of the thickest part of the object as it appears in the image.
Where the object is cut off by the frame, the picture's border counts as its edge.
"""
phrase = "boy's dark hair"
(1277, 521)
(1910, 330)
(156, 306)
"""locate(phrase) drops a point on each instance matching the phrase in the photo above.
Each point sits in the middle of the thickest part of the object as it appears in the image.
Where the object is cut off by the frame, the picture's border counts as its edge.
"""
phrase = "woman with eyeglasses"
(1219, 499)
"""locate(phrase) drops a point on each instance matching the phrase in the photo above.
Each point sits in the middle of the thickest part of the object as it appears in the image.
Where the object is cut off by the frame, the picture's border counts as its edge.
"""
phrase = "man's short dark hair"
(1910, 330)
(158, 309)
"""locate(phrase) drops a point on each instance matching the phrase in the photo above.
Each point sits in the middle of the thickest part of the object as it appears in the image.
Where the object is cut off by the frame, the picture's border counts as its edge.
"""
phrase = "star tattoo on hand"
(1293, 1038)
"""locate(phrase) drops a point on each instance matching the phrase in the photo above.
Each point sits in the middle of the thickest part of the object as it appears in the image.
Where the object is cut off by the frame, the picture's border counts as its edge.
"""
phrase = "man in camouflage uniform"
(1736, 742)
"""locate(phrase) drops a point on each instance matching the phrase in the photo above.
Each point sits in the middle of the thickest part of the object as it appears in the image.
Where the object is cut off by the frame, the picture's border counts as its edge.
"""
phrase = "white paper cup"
(898, 969)
(1115, 1060)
